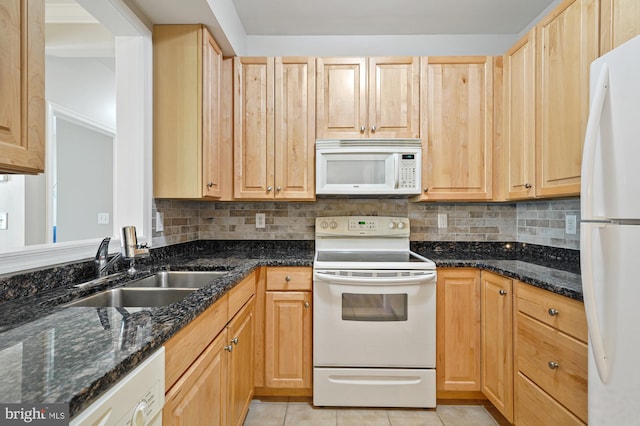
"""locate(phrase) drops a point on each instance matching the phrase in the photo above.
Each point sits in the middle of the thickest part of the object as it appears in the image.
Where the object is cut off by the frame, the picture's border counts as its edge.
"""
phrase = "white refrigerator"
(610, 236)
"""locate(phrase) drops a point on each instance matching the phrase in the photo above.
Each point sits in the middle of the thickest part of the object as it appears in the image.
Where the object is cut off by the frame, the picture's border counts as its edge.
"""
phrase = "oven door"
(364, 321)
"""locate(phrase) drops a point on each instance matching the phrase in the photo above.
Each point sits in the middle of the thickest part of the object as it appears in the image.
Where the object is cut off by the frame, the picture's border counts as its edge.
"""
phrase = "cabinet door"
(288, 339)
(497, 342)
(567, 44)
(211, 131)
(253, 135)
(457, 127)
(199, 396)
(240, 334)
(458, 330)
(394, 97)
(22, 139)
(619, 22)
(519, 116)
(295, 128)
(342, 98)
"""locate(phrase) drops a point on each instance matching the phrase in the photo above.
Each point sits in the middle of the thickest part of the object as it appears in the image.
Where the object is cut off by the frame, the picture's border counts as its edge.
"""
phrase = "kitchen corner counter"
(51, 353)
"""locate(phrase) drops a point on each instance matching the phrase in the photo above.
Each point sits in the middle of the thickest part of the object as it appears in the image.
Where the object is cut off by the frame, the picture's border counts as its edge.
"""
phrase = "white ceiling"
(386, 17)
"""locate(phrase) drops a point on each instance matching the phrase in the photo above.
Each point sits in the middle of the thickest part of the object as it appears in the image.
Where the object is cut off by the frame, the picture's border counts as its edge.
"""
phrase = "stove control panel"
(362, 226)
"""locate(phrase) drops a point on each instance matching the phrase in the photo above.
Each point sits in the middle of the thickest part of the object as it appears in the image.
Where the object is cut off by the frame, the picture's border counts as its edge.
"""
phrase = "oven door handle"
(420, 279)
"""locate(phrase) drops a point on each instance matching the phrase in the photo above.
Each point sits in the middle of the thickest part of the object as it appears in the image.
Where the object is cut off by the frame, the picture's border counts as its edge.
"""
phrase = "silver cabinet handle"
(234, 340)
(373, 128)
(362, 129)
(279, 188)
(553, 312)
(209, 184)
(527, 185)
(553, 365)
(287, 278)
(502, 292)
(306, 304)
(228, 348)
(269, 188)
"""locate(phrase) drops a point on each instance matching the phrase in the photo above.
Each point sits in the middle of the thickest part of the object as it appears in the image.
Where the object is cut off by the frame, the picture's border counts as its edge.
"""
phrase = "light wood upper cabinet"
(368, 97)
(620, 21)
(22, 123)
(567, 41)
(457, 128)
(497, 341)
(274, 140)
(458, 330)
(519, 117)
(187, 128)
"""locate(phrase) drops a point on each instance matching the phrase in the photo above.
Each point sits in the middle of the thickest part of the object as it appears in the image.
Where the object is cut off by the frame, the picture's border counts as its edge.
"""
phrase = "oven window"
(374, 307)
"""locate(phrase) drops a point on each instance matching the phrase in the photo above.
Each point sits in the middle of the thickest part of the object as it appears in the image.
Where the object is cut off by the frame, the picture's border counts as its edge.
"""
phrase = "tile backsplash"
(536, 222)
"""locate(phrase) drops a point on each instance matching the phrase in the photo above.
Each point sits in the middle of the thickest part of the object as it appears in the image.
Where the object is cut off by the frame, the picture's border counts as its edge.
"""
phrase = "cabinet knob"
(527, 185)
(287, 278)
(553, 365)
(306, 304)
(269, 188)
(228, 348)
(426, 190)
(553, 312)
(279, 188)
(234, 340)
(502, 292)
(373, 128)
(362, 129)
(209, 184)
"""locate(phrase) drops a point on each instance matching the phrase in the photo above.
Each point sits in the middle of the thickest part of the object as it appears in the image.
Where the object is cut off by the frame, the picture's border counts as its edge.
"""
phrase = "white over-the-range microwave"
(381, 167)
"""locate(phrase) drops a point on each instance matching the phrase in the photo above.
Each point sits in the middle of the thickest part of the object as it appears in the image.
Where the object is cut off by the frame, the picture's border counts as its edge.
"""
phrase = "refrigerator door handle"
(591, 140)
(588, 288)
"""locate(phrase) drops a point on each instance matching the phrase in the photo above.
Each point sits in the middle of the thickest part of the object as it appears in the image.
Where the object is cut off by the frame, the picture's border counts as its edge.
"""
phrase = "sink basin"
(133, 297)
(178, 279)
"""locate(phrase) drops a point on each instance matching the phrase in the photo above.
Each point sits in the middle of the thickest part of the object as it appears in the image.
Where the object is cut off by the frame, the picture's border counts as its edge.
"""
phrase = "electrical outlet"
(570, 224)
(103, 218)
(4, 217)
(442, 220)
(260, 220)
(159, 222)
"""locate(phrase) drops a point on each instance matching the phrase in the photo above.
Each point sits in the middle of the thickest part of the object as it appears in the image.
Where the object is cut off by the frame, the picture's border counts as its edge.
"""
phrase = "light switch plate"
(103, 218)
(159, 222)
(570, 224)
(442, 220)
(260, 220)
(4, 218)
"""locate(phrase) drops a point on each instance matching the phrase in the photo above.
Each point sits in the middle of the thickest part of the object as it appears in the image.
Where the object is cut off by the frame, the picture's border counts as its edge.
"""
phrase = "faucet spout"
(101, 261)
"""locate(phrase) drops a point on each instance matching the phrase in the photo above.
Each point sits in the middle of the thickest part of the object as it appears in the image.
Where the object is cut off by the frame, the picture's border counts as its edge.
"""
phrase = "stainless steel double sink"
(160, 289)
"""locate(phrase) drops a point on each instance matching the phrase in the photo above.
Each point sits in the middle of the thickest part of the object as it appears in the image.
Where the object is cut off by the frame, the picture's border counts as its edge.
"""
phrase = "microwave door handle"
(396, 166)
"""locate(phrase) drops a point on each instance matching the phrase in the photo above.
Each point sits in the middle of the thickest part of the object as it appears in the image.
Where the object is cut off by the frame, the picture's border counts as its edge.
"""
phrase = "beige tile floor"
(266, 412)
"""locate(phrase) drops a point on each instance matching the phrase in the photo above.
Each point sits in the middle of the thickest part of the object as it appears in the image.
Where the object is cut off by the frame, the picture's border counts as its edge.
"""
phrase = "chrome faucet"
(101, 263)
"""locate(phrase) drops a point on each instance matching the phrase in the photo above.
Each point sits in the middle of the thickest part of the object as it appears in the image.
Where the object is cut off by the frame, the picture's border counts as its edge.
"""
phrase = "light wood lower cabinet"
(497, 341)
(458, 331)
(287, 332)
(551, 358)
(209, 363)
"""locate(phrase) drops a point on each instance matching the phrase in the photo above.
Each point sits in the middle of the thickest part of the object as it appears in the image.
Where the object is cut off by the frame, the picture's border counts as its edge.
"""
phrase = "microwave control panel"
(407, 171)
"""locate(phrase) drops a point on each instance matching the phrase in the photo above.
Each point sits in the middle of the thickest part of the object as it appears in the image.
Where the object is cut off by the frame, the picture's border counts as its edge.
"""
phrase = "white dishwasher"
(136, 400)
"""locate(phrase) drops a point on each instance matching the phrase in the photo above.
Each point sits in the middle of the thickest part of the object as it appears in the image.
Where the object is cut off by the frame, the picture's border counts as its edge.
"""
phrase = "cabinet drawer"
(295, 278)
(535, 407)
(567, 315)
(242, 292)
(538, 345)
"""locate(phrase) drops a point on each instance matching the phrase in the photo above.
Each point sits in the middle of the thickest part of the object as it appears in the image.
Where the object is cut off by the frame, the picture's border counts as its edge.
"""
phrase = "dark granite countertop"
(50, 353)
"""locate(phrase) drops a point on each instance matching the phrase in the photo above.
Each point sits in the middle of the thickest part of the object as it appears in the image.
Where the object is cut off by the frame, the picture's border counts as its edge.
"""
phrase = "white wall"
(12, 201)
(400, 45)
(84, 85)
